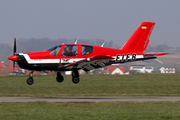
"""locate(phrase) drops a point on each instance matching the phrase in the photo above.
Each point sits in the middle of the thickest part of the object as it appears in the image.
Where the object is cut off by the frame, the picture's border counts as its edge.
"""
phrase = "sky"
(113, 20)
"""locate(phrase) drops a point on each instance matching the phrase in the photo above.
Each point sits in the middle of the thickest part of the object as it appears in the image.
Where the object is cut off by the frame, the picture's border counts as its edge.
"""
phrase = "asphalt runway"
(90, 99)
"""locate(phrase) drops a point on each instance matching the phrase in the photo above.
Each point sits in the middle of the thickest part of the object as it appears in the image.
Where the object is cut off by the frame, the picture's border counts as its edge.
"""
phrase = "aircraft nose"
(13, 58)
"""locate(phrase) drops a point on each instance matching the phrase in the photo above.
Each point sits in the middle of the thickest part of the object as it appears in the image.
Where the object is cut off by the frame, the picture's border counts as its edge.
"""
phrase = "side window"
(70, 50)
(86, 49)
(55, 50)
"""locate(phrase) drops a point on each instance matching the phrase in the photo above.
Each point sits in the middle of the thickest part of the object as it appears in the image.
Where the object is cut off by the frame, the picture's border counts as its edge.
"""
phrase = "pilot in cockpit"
(68, 51)
(87, 50)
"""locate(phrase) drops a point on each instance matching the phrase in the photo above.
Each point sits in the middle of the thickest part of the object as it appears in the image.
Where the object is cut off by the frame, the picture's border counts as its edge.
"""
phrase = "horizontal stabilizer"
(155, 54)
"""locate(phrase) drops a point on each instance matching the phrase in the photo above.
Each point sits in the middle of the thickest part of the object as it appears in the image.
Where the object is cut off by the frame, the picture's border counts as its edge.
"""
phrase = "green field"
(92, 85)
(91, 111)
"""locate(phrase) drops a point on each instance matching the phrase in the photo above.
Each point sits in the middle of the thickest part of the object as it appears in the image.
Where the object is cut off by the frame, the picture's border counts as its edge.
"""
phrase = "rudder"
(140, 38)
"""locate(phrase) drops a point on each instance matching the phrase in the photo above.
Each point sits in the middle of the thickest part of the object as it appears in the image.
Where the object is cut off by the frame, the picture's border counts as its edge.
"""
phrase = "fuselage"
(55, 57)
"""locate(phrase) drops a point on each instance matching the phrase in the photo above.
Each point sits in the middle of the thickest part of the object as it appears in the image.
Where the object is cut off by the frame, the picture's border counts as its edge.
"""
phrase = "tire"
(30, 81)
(60, 78)
(75, 80)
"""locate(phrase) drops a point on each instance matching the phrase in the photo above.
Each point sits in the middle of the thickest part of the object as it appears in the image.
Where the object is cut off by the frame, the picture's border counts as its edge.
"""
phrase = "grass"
(92, 85)
(90, 111)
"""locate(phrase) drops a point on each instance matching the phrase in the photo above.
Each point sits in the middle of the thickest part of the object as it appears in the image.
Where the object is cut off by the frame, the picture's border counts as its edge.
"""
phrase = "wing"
(90, 63)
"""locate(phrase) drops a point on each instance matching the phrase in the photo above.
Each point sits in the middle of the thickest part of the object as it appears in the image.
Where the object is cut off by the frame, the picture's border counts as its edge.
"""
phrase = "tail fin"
(140, 38)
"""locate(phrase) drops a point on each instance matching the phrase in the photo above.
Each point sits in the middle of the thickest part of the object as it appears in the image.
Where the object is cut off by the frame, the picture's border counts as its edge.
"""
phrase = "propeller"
(14, 52)
(14, 56)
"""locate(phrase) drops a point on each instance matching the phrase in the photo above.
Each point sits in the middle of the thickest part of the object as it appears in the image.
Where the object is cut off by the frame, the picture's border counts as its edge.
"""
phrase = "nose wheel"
(30, 80)
(75, 76)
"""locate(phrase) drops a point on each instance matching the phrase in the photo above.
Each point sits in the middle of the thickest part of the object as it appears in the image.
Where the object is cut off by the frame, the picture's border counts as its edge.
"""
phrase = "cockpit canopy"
(71, 50)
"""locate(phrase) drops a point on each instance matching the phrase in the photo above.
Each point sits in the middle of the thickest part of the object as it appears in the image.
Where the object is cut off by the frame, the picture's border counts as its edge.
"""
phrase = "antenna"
(103, 43)
(76, 40)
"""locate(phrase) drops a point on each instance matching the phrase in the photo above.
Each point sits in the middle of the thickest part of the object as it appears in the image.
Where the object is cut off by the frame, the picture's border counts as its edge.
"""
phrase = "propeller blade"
(14, 52)
(13, 65)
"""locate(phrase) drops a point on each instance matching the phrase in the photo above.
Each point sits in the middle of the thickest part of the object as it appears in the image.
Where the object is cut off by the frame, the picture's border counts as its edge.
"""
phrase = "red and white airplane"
(73, 57)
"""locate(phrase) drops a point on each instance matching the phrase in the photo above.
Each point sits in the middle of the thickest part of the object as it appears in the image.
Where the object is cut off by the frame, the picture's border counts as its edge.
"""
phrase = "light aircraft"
(73, 57)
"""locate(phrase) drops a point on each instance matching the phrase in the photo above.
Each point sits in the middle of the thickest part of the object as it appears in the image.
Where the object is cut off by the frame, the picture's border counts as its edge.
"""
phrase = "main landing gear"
(59, 77)
(75, 77)
(30, 80)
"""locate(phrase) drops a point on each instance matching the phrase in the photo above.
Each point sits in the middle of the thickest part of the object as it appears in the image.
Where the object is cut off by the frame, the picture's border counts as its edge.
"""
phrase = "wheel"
(75, 80)
(59, 78)
(30, 81)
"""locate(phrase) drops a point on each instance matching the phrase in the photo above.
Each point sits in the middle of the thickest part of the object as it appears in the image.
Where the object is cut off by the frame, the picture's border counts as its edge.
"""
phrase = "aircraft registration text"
(125, 58)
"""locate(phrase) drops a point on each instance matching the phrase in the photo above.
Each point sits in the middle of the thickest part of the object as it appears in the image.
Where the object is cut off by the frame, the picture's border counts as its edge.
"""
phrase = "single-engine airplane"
(73, 57)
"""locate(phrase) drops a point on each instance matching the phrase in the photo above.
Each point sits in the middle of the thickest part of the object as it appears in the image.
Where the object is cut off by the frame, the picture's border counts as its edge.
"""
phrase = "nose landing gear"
(30, 80)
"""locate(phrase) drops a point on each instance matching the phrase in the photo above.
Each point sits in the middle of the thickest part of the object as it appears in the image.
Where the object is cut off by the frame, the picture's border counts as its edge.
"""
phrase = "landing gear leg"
(75, 76)
(30, 80)
(59, 77)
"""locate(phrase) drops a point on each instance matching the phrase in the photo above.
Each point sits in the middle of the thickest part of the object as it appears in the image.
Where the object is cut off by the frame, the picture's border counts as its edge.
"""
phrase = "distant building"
(68, 72)
(138, 69)
(7, 68)
(167, 70)
(114, 70)
(141, 69)
(149, 69)
(1, 67)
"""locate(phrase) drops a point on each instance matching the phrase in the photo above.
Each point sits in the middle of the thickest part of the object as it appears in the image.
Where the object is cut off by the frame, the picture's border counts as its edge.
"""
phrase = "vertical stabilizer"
(140, 38)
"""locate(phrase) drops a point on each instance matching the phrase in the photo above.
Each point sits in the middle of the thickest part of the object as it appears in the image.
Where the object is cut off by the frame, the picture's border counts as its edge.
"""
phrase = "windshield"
(55, 50)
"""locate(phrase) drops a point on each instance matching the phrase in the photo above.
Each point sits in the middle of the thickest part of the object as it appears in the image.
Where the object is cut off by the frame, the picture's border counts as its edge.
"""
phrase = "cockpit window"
(70, 50)
(86, 49)
(55, 50)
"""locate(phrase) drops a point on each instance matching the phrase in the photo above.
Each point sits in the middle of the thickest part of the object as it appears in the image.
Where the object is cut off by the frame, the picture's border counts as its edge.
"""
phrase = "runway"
(90, 99)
